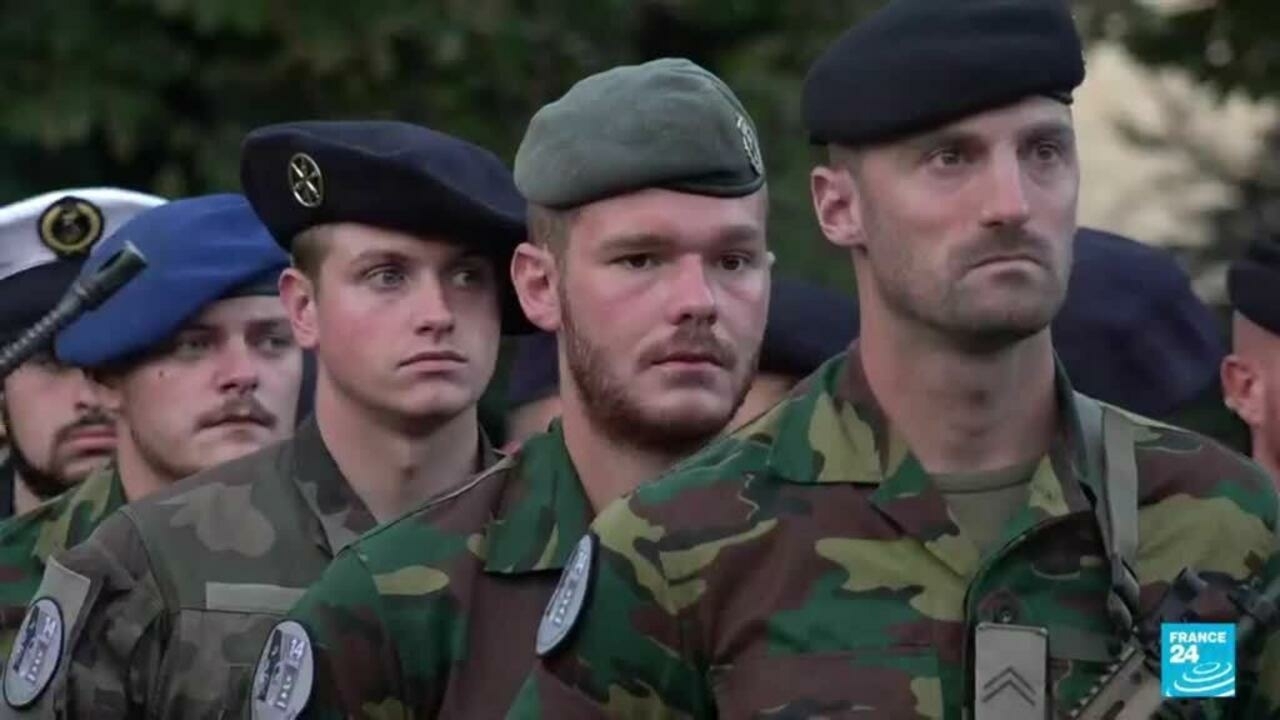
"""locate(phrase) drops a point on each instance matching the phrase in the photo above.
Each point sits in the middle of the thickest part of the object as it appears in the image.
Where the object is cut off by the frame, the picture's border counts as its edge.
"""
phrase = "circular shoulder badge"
(566, 602)
(282, 680)
(71, 226)
(35, 654)
(305, 180)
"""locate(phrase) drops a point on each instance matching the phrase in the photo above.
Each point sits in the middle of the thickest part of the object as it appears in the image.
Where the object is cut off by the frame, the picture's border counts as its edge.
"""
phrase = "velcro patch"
(284, 675)
(35, 654)
(566, 602)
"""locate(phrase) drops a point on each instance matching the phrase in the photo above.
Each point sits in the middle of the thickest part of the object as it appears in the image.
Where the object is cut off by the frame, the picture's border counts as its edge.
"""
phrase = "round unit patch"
(71, 226)
(35, 654)
(282, 680)
(566, 602)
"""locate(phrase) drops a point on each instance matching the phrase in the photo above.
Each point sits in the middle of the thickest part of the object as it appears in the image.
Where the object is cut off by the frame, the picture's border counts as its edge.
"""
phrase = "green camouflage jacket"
(434, 615)
(27, 541)
(165, 607)
(807, 566)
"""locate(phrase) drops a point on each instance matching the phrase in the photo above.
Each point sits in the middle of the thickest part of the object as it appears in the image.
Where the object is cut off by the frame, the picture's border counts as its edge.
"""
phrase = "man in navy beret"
(400, 237)
(935, 524)
(58, 430)
(195, 361)
(1251, 373)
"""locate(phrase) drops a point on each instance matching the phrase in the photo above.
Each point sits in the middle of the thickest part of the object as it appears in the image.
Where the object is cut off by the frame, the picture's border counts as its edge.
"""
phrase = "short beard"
(43, 485)
(612, 410)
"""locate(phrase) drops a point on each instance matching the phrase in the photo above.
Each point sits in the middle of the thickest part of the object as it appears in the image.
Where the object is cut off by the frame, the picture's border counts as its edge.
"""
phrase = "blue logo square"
(1197, 660)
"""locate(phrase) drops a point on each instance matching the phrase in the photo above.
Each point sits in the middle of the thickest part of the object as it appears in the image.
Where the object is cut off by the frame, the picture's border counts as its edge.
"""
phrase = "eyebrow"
(634, 242)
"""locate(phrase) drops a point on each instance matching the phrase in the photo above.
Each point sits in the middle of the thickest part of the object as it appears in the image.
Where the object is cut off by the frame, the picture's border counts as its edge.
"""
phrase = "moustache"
(240, 409)
(694, 342)
(1008, 242)
(92, 420)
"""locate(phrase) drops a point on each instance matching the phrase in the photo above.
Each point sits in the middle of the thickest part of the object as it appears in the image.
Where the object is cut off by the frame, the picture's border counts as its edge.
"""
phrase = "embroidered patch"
(282, 680)
(566, 602)
(35, 654)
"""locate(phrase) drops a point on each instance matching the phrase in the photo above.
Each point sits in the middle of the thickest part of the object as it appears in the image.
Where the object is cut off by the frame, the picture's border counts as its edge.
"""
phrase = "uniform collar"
(832, 430)
(75, 514)
(543, 510)
(340, 513)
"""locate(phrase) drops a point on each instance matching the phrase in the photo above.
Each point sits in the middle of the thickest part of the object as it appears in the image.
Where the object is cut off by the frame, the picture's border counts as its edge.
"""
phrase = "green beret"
(665, 124)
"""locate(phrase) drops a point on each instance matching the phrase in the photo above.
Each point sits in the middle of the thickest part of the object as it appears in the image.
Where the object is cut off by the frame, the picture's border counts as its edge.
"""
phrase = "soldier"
(193, 359)
(648, 261)
(60, 431)
(1251, 373)
(936, 511)
(807, 324)
(397, 233)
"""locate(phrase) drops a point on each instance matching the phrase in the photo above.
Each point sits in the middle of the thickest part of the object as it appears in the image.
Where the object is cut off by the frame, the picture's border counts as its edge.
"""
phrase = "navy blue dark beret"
(45, 239)
(1253, 284)
(391, 175)
(198, 250)
(1132, 332)
(916, 65)
(807, 325)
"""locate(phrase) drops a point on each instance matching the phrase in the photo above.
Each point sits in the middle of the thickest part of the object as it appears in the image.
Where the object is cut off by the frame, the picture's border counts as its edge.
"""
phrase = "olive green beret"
(665, 124)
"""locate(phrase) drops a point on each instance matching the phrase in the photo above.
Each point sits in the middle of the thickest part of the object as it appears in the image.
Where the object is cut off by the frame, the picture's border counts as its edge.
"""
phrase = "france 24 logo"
(1197, 660)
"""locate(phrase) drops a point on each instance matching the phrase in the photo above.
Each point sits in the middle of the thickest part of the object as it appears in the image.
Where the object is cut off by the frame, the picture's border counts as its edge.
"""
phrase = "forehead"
(1011, 119)
(349, 241)
(235, 313)
(672, 216)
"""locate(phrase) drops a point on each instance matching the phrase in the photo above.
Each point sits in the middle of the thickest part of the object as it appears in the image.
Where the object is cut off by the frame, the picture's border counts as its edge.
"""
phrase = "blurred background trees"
(157, 94)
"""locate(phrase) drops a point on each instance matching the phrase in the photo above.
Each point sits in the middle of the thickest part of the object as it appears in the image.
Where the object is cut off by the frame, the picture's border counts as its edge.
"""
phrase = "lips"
(689, 358)
(435, 357)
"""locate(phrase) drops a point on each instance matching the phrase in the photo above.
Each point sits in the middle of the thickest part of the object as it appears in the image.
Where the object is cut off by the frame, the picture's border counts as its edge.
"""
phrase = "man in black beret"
(932, 525)
(1251, 373)
(400, 238)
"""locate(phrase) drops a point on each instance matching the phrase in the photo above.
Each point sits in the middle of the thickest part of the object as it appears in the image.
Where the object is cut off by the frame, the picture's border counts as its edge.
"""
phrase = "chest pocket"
(898, 681)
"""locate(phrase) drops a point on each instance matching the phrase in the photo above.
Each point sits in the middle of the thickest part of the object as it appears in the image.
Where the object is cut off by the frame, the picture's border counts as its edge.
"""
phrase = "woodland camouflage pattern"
(187, 583)
(27, 541)
(434, 615)
(807, 566)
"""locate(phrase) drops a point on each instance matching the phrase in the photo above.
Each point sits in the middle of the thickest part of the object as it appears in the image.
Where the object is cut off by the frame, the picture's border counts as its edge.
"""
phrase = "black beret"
(391, 175)
(807, 325)
(1253, 284)
(1132, 332)
(916, 65)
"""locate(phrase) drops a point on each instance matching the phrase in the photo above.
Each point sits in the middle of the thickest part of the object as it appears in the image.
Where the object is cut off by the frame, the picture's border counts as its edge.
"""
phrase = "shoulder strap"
(1109, 454)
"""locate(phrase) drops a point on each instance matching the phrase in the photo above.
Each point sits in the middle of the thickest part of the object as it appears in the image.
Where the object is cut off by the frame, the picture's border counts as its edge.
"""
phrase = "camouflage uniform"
(27, 541)
(808, 566)
(181, 588)
(434, 614)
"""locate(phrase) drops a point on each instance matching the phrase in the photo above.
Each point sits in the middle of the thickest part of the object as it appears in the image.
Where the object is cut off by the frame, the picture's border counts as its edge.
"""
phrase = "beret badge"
(306, 181)
(71, 226)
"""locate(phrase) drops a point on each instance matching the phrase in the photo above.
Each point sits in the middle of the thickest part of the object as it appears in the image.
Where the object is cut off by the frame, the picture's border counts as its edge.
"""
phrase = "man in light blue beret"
(196, 360)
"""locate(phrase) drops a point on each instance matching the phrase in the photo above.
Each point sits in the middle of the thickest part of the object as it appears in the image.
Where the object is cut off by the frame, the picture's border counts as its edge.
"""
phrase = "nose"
(1006, 196)
(237, 370)
(86, 395)
(691, 297)
(433, 313)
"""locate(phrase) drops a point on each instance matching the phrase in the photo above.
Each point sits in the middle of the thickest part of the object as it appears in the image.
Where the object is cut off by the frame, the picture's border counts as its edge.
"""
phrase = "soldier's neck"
(607, 469)
(138, 477)
(24, 499)
(961, 411)
(394, 464)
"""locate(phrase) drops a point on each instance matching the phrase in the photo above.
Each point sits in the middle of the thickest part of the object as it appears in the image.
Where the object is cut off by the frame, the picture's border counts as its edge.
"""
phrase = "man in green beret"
(934, 524)
(648, 260)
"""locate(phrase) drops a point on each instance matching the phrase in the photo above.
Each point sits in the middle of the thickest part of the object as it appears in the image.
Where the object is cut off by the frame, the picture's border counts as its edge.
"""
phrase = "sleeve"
(625, 653)
(356, 665)
(110, 607)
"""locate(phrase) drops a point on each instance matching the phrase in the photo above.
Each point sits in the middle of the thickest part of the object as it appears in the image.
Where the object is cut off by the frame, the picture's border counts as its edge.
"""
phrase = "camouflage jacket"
(807, 566)
(168, 603)
(27, 541)
(434, 615)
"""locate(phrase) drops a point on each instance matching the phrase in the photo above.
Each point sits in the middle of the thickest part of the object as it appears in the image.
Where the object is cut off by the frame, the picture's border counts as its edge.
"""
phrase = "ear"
(298, 294)
(536, 275)
(1242, 389)
(835, 202)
